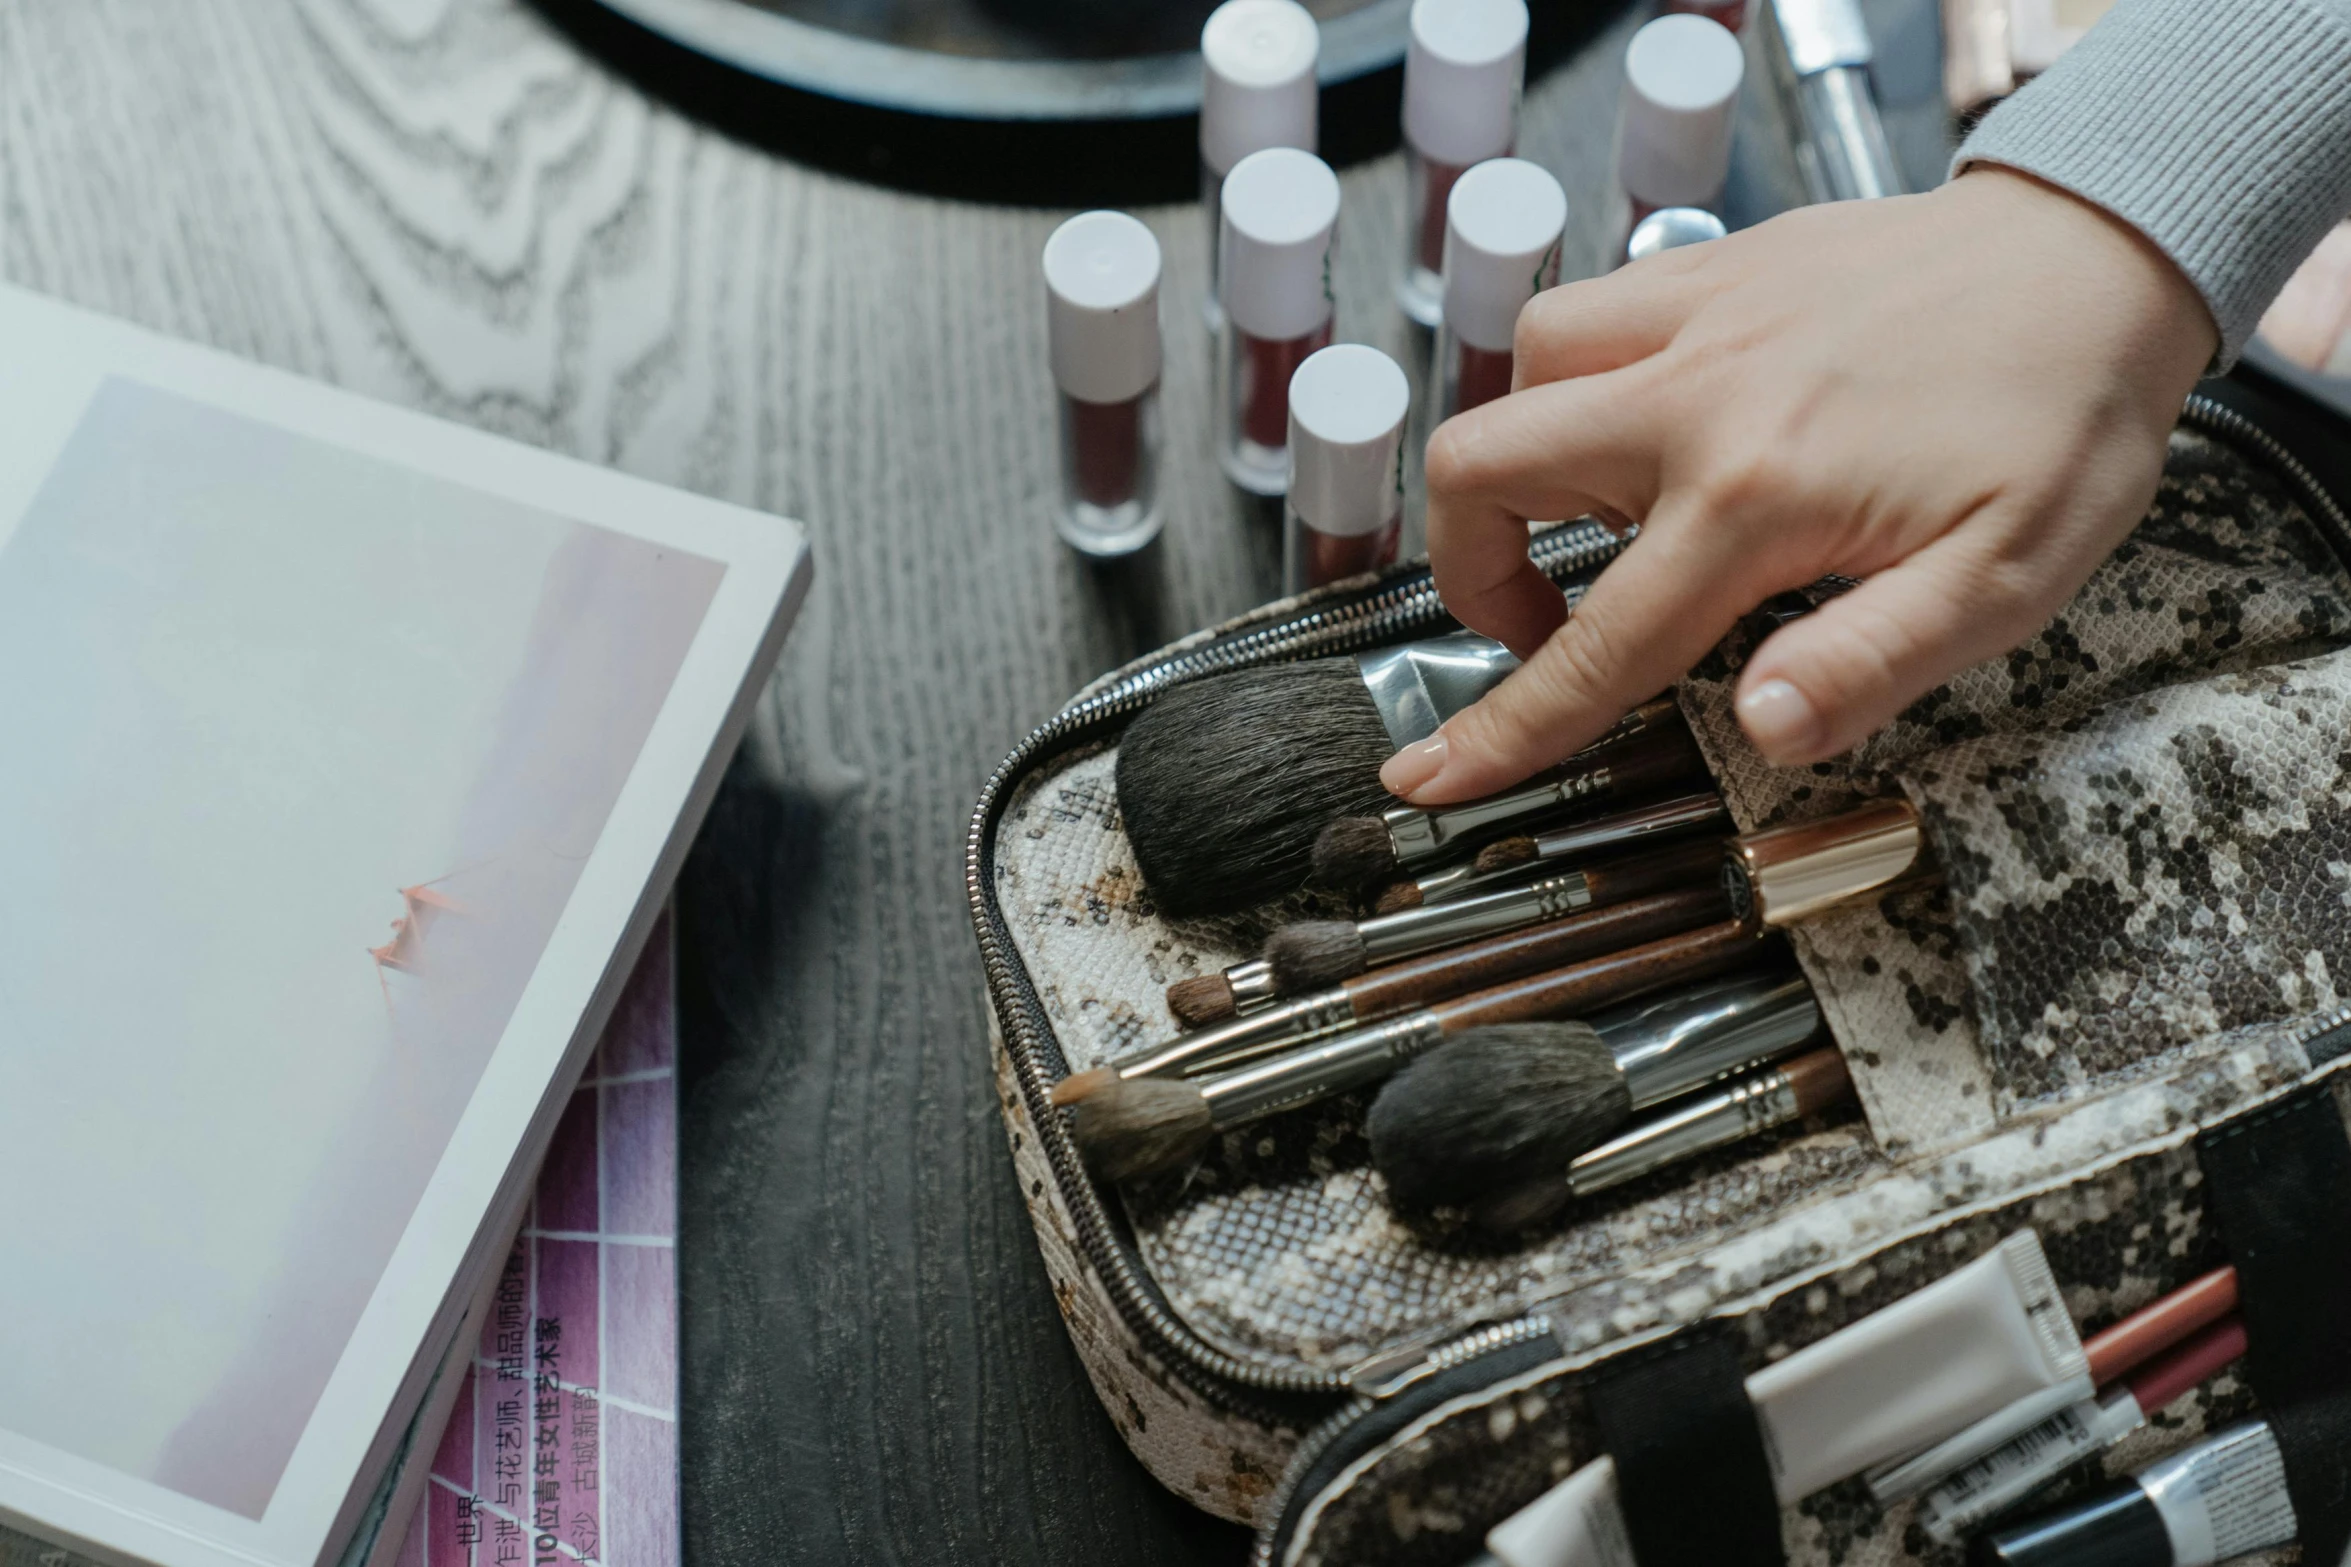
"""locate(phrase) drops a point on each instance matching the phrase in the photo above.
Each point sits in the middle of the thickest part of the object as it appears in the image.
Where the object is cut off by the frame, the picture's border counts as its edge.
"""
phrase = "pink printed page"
(563, 1445)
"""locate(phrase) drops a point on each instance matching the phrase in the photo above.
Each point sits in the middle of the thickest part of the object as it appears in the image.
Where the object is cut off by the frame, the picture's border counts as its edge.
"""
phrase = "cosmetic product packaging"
(2119, 1349)
(1820, 60)
(2002, 1478)
(1905, 1376)
(1673, 137)
(1281, 214)
(1502, 234)
(1257, 90)
(1102, 320)
(1683, 815)
(2222, 1498)
(1670, 228)
(1464, 69)
(1729, 14)
(1345, 511)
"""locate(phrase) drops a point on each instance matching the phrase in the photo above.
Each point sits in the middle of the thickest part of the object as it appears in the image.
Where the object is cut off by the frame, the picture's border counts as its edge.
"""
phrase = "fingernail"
(1413, 766)
(1781, 721)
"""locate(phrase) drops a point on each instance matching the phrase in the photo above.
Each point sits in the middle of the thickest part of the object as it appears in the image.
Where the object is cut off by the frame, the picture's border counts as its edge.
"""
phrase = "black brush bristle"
(1352, 853)
(1224, 782)
(1140, 1126)
(1493, 1109)
(1504, 854)
(1311, 954)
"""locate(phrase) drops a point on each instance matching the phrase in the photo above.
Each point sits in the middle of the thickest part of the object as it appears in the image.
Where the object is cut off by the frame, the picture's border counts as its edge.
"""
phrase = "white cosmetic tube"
(1903, 1378)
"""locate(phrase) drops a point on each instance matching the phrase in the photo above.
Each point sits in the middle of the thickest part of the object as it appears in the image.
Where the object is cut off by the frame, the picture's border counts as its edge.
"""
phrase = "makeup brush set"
(1678, 1160)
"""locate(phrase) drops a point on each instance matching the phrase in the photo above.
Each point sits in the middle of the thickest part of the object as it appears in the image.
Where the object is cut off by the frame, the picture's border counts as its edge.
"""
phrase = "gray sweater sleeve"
(2220, 129)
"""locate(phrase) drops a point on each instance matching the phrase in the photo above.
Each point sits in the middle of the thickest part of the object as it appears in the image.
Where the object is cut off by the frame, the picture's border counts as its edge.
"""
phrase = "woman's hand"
(1961, 397)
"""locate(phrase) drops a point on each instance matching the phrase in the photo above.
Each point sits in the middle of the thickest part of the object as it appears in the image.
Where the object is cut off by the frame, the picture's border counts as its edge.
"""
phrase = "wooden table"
(445, 204)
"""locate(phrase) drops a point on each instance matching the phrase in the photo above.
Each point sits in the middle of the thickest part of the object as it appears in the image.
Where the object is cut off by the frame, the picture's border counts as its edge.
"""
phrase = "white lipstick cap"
(1281, 214)
(1347, 407)
(1102, 307)
(1462, 74)
(1681, 87)
(1502, 228)
(1257, 86)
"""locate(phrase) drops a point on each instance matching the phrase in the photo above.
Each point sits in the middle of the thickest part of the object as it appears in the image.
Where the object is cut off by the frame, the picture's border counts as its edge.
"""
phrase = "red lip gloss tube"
(1281, 214)
(1257, 90)
(1502, 237)
(1723, 13)
(1102, 323)
(1345, 510)
(1463, 71)
(1673, 129)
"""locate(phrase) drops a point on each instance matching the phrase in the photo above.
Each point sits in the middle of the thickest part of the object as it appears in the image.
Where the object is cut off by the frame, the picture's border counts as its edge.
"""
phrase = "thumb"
(1647, 618)
(1823, 684)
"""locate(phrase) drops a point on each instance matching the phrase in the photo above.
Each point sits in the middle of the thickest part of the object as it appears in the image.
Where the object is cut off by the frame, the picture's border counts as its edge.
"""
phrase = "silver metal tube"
(1843, 153)
(1674, 1043)
(1417, 686)
(1387, 937)
(1740, 1108)
(1252, 984)
(1205, 1048)
(1317, 1070)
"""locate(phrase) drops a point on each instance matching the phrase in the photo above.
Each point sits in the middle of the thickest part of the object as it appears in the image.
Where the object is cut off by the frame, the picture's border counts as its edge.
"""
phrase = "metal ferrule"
(1792, 872)
(1208, 1048)
(1740, 1108)
(1252, 984)
(1318, 1069)
(1822, 62)
(1675, 1043)
(1419, 836)
(1419, 685)
(1387, 937)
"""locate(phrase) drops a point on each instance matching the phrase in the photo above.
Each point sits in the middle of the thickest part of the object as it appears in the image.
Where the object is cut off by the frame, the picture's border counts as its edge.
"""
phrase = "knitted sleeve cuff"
(2221, 131)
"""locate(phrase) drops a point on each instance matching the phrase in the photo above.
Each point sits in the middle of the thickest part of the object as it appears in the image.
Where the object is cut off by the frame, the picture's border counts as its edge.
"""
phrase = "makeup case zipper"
(1401, 605)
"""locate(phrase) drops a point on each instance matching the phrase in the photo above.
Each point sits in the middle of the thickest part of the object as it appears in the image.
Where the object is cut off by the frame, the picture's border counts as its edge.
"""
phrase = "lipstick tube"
(1502, 237)
(1820, 60)
(1345, 511)
(1673, 139)
(1730, 14)
(1102, 320)
(1281, 213)
(1257, 90)
(1464, 69)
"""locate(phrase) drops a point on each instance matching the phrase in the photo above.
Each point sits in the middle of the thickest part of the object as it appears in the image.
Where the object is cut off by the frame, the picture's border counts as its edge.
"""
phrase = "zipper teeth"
(2318, 1028)
(1405, 606)
(2217, 418)
(1457, 1352)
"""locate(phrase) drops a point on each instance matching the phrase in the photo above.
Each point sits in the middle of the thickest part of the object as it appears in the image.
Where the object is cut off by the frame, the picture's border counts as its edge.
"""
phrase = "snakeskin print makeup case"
(2122, 1021)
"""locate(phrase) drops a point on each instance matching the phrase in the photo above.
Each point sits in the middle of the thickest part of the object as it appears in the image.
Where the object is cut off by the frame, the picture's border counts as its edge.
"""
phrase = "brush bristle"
(1353, 852)
(1082, 1085)
(1313, 953)
(1395, 900)
(1201, 1000)
(1501, 856)
(1142, 1125)
(1493, 1109)
(1522, 1207)
(1224, 782)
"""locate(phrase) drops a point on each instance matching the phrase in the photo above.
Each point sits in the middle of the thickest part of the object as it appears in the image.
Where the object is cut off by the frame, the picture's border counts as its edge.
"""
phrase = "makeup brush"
(1224, 781)
(1403, 986)
(1140, 1126)
(1743, 1107)
(1497, 1107)
(1507, 859)
(1652, 747)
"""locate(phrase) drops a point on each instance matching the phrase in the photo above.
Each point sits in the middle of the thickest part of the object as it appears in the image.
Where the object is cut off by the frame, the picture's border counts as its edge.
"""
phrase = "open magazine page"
(563, 1443)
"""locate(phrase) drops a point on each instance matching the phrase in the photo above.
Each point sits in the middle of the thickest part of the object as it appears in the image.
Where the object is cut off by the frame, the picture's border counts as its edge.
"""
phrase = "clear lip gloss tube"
(1673, 137)
(1257, 90)
(1502, 236)
(1345, 511)
(1463, 72)
(1670, 228)
(1281, 213)
(1102, 321)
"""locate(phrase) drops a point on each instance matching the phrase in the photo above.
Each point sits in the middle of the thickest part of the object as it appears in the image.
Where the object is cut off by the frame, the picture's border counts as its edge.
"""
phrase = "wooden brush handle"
(1685, 865)
(1659, 754)
(1581, 987)
(1536, 949)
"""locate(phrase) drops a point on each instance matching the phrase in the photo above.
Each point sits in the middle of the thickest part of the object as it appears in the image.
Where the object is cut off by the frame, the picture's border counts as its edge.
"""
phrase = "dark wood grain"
(444, 203)
(1603, 981)
(1535, 950)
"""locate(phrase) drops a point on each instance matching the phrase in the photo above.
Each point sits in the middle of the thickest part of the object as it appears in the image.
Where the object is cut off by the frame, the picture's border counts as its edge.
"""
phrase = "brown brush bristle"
(1395, 900)
(1313, 953)
(1142, 1125)
(1493, 1108)
(1082, 1085)
(1353, 852)
(1201, 1000)
(1502, 855)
